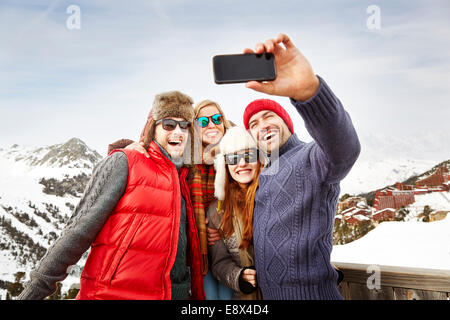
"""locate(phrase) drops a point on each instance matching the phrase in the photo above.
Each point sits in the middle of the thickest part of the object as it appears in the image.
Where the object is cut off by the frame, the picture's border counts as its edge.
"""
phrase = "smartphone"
(235, 68)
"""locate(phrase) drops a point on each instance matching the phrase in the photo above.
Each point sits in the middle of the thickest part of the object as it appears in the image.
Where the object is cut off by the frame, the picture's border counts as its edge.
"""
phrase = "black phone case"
(241, 80)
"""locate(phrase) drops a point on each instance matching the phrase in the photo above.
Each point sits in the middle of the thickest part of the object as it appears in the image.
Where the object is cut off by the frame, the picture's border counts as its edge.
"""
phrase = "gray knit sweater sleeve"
(104, 190)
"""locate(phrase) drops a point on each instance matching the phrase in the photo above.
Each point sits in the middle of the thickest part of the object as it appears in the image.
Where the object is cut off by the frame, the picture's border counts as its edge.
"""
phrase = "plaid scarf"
(201, 184)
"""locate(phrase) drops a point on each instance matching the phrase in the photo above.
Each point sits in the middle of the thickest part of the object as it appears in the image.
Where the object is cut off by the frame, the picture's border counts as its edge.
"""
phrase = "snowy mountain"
(368, 175)
(74, 154)
(39, 188)
(416, 144)
(389, 158)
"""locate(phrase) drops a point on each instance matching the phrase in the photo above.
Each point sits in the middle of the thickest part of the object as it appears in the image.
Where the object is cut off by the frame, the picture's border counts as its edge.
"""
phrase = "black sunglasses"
(250, 156)
(171, 124)
(204, 121)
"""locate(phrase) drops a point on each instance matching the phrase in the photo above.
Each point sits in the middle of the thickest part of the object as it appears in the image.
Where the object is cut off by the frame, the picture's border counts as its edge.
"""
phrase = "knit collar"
(289, 144)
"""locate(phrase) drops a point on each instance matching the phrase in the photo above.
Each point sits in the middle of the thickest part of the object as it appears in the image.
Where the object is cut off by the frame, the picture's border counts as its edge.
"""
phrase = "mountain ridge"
(38, 193)
(370, 196)
(42, 186)
(68, 154)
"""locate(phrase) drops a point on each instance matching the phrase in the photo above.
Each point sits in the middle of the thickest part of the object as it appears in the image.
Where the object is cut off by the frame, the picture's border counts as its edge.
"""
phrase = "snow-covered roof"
(349, 214)
(385, 209)
(400, 192)
(360, 217)
(347, 210)
(362, 204)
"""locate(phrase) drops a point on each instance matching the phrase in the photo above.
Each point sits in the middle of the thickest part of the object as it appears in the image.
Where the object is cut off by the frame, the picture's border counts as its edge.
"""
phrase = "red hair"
(241, 201)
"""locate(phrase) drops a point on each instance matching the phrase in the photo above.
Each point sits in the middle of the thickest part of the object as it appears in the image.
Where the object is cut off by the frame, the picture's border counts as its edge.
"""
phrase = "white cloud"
(98, 83)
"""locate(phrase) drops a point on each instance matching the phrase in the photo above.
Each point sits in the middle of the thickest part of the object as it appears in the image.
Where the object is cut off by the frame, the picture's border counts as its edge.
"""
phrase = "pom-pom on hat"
(267, 104)
(234, 140)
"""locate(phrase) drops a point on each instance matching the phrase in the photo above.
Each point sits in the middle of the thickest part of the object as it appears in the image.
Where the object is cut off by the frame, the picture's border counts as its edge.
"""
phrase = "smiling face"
(173, 141)
(243, 172)
(212, 133)
(269, 130)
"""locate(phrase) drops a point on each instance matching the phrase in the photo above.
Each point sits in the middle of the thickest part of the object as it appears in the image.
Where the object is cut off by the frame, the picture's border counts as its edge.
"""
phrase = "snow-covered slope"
(437, 201)
(39, 187)
(395, 157)
(407, 244)
(369, 175)
(412, 243)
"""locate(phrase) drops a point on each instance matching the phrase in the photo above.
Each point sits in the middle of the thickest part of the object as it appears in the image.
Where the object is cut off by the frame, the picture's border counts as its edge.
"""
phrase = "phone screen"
(236, 68)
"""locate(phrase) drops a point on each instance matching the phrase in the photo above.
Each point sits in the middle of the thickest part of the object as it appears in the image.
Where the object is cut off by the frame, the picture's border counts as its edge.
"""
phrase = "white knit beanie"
(234, 140)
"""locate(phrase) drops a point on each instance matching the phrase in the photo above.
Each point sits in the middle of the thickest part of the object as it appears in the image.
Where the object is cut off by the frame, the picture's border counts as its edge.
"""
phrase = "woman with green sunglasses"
(204, 121)
(210, 126)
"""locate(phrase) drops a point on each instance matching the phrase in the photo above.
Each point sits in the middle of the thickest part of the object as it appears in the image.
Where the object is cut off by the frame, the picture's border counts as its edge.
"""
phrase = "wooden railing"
(375, 282)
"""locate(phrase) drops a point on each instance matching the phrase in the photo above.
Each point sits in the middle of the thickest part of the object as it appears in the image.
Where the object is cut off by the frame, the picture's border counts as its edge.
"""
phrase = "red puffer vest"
(133, 254)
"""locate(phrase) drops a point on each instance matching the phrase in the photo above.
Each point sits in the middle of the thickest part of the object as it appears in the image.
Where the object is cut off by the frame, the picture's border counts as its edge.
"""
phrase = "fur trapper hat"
(173, 104)
(167, 104)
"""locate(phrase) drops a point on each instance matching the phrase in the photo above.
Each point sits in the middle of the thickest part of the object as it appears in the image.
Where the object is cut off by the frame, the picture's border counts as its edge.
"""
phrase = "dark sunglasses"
(250, 156)
(170, 124)
(204, 121)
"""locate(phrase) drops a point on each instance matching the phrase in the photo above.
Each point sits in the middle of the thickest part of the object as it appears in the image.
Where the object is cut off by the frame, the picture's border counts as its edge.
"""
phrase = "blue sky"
(98, 83)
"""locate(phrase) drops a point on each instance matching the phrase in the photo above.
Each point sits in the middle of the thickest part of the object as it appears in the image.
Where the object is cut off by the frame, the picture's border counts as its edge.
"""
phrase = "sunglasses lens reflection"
(204, 121)
(217, 118)
(170, 124)
(234, 159)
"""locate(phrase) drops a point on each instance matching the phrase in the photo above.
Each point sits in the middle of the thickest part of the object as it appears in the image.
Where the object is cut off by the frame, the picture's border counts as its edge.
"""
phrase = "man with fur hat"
(298, 191)
(137, 219)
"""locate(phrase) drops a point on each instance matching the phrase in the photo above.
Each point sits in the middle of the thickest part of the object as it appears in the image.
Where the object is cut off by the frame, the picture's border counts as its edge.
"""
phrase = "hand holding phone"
(295, 76)
(235, 68)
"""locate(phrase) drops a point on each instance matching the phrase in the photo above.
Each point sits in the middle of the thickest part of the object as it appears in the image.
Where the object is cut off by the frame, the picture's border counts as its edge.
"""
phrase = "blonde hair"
(198, 151)
(204, 103)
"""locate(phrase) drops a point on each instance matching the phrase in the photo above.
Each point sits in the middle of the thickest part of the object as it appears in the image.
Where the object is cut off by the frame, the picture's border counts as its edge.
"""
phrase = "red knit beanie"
(267, 104)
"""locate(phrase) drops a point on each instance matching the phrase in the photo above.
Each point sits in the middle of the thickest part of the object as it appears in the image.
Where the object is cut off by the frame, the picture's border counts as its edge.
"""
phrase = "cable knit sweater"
(296, 201)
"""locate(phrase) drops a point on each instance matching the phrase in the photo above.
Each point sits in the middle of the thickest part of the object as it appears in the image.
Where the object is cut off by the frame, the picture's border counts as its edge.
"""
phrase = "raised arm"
(103, 192)
(331, 128)
(326, 120)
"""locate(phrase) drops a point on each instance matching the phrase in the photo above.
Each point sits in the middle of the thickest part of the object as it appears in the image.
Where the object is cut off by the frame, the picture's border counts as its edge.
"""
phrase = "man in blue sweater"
(295, 204)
